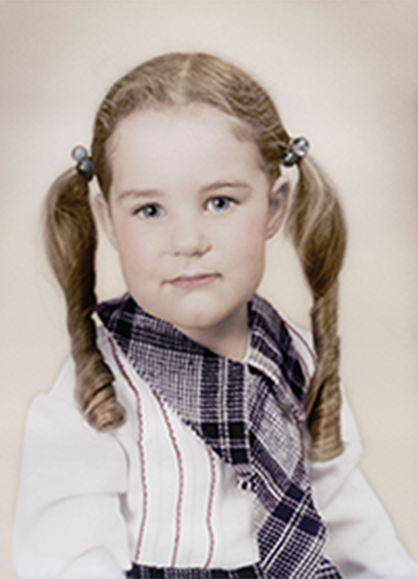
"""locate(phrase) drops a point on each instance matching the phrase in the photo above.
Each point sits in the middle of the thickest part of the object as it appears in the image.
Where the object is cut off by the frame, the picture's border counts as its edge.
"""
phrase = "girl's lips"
(193, 281)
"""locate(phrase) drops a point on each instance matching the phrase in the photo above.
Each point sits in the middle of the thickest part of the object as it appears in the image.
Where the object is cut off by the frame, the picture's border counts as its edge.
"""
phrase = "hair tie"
(298, 149)
(85, 165)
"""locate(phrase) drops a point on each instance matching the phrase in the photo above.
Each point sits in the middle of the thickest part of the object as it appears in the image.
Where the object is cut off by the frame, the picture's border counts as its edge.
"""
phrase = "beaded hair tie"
(298, 149)
(85, 165)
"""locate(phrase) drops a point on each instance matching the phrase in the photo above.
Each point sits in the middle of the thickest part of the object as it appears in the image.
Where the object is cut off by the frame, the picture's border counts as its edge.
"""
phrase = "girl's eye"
(220, 203)
(149, 211)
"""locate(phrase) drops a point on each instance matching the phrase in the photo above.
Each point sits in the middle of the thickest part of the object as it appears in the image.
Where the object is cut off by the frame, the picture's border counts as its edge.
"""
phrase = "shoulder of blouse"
(328, 477)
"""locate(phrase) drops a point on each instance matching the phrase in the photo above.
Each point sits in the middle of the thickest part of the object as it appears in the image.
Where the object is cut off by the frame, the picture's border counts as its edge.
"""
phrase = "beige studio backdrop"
(343, 73)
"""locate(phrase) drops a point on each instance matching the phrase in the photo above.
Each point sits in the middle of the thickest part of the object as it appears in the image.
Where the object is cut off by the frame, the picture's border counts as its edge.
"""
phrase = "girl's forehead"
(193, 144)
(178, 125)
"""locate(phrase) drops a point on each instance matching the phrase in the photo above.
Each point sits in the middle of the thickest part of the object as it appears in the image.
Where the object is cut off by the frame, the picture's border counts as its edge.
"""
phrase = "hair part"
(316, 225)
(180, 79)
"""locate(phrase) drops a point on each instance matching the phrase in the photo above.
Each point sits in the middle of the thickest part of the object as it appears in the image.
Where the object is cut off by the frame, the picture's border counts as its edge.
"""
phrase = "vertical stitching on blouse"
(181, 478)
(140, 443)
(209, 511)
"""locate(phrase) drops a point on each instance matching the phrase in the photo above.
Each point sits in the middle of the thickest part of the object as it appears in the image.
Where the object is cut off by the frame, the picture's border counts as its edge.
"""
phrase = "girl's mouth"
(193, 281)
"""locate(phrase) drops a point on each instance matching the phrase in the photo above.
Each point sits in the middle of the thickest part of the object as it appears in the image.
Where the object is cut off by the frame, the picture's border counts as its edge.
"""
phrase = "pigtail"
(317, 227)
(71, 241)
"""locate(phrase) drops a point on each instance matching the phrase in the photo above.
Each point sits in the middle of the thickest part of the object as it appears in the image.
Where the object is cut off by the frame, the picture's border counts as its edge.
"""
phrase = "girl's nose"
(189, 238)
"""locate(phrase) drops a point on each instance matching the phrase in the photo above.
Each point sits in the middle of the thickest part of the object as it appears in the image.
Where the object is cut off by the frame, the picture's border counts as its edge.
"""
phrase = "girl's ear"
(102, 209)
(279, 196)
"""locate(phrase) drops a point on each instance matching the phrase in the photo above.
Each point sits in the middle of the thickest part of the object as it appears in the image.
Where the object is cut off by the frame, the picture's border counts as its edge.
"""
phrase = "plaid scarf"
(248, 412)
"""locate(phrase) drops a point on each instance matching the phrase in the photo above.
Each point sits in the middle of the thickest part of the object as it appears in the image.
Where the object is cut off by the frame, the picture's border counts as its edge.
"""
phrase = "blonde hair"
(315, 223)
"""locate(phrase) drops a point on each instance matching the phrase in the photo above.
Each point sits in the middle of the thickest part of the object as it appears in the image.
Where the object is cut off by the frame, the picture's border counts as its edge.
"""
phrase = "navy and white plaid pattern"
(249, 413)
(143, 572)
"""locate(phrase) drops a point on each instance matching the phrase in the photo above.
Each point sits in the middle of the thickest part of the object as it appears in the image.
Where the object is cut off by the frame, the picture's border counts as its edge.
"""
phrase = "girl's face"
(190, 209)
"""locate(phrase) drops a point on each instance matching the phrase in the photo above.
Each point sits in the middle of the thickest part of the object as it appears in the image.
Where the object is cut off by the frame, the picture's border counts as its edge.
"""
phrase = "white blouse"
(152, 492)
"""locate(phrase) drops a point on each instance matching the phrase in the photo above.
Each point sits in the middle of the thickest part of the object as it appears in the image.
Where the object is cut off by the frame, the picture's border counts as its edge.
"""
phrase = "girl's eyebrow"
(139, 193)
(146, 193)
(225, 185)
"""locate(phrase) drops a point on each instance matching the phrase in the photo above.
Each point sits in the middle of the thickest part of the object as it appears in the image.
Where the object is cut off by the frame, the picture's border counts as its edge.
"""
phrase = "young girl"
(208, 438)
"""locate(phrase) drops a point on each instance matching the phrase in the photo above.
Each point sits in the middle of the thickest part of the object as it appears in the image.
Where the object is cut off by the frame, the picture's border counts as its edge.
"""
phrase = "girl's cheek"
(252, 237)
(131, 247)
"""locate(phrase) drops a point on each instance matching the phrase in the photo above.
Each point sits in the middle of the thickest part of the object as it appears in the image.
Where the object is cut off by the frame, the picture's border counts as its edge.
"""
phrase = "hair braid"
(70, 236)
(317, 227)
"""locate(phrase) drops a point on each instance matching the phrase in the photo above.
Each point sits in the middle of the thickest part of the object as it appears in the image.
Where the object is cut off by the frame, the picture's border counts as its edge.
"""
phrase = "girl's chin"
(200, 312)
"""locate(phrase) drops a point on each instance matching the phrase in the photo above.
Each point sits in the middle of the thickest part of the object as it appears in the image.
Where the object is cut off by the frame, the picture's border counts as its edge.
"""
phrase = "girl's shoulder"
(56, 430)
(57, 408)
